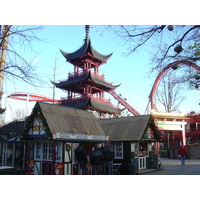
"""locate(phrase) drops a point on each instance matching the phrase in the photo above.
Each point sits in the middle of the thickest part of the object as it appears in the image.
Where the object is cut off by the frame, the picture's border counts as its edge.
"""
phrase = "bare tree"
(165, 43)
(16, 64)
(170, 93)
(13, 41)
(20, 114)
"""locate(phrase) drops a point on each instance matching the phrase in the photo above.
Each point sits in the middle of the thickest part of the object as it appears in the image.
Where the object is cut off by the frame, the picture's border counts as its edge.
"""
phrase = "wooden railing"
(79, 74)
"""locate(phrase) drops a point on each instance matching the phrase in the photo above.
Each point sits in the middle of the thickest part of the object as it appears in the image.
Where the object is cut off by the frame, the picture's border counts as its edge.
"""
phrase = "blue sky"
(130, 71)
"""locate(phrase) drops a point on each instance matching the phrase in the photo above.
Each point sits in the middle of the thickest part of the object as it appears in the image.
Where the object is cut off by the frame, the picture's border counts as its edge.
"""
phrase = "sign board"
(170, 125)
(76, 136)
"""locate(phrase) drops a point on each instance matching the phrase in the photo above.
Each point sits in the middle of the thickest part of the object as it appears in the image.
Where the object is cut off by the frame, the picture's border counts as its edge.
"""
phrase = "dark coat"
(96, 157)
(80, 154)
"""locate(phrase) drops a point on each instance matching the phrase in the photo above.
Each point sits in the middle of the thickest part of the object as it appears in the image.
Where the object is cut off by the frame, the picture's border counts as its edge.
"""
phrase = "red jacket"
(182, 152)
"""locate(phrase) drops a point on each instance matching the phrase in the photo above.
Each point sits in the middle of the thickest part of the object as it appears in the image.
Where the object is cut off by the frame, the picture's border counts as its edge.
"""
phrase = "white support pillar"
(183, 135)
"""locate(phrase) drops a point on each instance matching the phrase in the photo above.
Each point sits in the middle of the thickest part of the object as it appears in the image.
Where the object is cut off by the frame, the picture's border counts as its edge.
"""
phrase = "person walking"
(81, 156)
(109, 157)
(96, 160)
(182, 153)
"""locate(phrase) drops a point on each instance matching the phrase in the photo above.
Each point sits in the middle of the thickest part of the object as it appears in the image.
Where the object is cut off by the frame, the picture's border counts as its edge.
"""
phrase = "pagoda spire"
(87, 29)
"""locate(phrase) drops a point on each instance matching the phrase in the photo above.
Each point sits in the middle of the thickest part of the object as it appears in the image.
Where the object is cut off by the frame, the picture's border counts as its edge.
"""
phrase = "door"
(142, 162)
(47, 168)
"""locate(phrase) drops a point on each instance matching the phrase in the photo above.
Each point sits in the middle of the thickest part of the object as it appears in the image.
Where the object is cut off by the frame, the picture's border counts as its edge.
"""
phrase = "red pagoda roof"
(85, 48)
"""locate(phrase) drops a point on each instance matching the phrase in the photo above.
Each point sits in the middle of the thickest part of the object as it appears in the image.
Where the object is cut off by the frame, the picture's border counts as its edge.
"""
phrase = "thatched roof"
(127, 128)
(92, 104)
(62, 119)
(11, 130)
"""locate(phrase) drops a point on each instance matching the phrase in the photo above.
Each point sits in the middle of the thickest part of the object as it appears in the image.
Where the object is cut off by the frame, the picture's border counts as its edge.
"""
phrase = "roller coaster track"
(121, 100)
(31, 97)
(174, 66)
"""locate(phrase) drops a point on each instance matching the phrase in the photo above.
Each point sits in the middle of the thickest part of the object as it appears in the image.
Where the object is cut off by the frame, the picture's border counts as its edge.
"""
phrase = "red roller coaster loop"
(174, 66)
(31, 97)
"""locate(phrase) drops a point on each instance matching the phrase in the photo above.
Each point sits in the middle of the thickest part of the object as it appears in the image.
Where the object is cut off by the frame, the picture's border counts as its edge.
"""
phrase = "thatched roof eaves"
(90, 103)
(127, 128)
(63, 119)
(12, 127)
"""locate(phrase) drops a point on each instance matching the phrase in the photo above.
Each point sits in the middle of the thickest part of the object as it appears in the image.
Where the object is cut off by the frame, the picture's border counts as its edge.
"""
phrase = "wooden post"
(13, 154)
(138, 153)
(54, 158)
(25, 155)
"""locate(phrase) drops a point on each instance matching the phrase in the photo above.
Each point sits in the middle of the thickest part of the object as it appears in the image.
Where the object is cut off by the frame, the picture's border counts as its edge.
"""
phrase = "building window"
(58, 151)
(44, 151)
(118, 147)
(50, 155)
(38, 150)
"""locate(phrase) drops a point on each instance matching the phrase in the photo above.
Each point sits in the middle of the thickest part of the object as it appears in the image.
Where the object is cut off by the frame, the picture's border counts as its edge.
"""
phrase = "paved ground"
(174, 167)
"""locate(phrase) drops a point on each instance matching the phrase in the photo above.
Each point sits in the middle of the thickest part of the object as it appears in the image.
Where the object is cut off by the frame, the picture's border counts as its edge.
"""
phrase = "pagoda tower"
(86, 86)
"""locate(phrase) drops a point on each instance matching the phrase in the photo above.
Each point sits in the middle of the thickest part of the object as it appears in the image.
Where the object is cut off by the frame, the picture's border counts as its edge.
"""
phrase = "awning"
(14, 139)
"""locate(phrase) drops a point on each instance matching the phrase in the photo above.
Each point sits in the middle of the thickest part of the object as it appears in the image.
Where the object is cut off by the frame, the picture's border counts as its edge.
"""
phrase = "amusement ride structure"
(193, 130)
(170, 66)
(31, 97)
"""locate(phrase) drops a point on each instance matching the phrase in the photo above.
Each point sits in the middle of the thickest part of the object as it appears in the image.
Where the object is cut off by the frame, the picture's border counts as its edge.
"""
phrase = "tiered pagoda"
(86, 86)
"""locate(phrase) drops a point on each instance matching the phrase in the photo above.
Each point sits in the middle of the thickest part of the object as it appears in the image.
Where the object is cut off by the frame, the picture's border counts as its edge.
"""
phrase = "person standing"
(182, 153)
(109, 157)
(96, 160)
(81, 156)
(102, 149)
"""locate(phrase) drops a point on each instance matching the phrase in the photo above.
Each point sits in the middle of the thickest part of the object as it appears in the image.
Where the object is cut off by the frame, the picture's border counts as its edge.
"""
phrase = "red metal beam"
(124, 103)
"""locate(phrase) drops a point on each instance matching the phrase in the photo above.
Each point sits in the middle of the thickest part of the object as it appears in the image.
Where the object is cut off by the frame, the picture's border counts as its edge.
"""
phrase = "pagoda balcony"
(80, 74)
